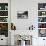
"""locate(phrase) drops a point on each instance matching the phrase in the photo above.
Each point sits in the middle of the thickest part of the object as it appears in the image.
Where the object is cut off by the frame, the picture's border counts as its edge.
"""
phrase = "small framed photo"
(22, 15)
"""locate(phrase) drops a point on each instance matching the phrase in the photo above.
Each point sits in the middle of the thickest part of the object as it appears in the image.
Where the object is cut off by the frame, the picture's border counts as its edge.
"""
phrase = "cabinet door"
(41, 41)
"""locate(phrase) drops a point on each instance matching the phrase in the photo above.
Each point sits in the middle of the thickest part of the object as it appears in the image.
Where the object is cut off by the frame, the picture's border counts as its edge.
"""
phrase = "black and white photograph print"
(22, 15)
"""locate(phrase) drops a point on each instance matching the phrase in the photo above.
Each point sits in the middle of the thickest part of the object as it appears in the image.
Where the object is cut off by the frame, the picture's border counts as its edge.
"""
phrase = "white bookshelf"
(42, 13)
(41, 19)
(4, 17)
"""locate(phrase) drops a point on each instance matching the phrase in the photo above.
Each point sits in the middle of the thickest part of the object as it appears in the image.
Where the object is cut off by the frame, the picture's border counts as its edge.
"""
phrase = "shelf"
(3, 16)
(41, 22)
(41, 28)
(42, 16)
(3, 10)
(41, 10)
(3, 22)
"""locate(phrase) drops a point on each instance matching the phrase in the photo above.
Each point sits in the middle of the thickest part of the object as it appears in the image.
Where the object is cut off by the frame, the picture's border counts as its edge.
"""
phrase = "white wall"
(24, 5)
(22, 24)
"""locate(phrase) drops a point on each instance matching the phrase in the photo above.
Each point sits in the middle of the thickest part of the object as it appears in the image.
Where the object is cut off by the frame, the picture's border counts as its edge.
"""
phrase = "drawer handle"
(43, 39)
(1, 39)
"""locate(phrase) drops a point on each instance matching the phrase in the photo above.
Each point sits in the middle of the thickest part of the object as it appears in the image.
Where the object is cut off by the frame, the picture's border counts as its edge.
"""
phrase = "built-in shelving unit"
(42, 19)
(4, 19)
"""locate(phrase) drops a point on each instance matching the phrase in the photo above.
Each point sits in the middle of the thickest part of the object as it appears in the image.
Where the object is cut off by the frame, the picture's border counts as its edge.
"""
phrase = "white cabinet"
(3, 40)
(41, 41)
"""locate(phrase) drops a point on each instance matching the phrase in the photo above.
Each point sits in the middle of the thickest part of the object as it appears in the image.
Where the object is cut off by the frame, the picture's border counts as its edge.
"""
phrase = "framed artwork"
(22, 15)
